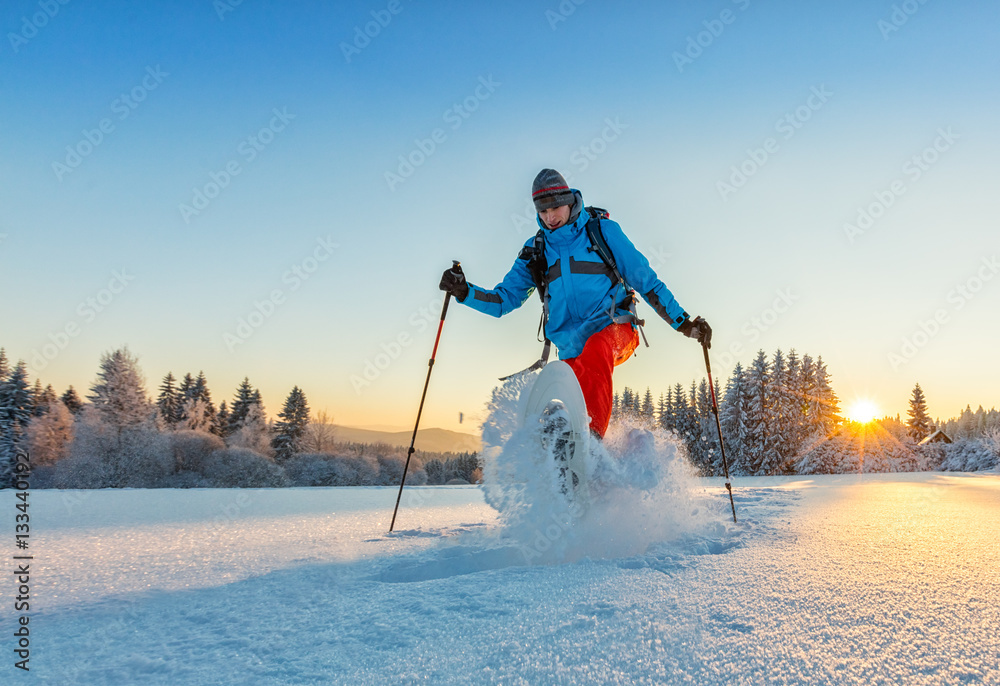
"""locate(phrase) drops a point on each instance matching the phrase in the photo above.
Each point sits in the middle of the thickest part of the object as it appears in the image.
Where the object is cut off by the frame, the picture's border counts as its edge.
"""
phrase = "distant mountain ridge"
(431, 440)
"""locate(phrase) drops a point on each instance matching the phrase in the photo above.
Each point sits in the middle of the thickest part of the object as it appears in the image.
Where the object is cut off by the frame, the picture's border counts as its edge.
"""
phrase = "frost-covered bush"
(390, 470)
(326, 469)
(312, 469)
(969, 455)
(192, 448)
(242, 468)
(187, 480)
(107, 456)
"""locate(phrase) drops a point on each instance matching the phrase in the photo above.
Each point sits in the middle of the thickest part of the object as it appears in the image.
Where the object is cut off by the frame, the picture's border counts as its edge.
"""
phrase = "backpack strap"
(538, 269)
(599, 245)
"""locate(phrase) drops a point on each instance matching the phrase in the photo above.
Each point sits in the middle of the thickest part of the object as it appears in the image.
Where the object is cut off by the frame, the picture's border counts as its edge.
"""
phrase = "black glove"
(453, 281)
(697, 329)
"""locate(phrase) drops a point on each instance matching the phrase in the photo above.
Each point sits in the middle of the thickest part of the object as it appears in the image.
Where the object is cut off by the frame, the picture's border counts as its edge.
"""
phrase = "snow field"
(887, 579)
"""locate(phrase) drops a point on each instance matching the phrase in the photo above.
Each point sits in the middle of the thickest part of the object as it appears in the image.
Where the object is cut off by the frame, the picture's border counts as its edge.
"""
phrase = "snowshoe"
(556, 402)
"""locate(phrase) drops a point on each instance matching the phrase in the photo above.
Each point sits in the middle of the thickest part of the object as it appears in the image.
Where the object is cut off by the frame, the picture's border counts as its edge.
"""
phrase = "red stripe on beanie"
(550, 188)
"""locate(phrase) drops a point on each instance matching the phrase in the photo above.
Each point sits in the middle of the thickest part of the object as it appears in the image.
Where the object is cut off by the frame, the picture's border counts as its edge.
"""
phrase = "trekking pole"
(430, 366)
(718, 425)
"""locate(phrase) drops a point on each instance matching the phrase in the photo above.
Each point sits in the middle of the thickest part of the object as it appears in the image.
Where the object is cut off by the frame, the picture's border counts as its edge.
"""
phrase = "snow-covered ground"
(826, 580)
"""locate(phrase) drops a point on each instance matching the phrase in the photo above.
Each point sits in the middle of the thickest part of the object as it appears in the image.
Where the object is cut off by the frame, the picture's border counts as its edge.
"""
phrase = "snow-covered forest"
(117, 436)
(778, 416)
(782, 416)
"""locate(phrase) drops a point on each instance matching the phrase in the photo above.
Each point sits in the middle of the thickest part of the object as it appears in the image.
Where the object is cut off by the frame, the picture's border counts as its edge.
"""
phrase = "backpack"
(538, 268)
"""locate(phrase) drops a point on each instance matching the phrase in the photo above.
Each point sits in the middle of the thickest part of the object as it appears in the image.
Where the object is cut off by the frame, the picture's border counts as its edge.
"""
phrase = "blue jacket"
(583, 298)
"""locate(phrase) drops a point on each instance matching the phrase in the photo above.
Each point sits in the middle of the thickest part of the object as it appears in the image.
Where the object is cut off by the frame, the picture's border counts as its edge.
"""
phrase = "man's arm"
(506, 296)
(634, 266)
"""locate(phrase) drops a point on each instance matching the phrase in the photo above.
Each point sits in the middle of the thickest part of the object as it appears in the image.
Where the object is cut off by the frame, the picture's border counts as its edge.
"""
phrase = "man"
(591, 316)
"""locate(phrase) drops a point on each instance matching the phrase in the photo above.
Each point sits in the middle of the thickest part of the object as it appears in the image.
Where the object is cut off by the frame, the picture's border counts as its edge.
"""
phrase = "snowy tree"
(169, 401)
(734, 413)
(826, 411)
(201, 392)
(72, 401)
(221, 426)
(50, 435)
(241, 405)
(646, 412)
(105, 454)
(320, 435)
(4, 365)
(759, 448)
(195, 416)
(119, 393)
(15, 413)
(291, 426)
(919, 422)
(252, 433)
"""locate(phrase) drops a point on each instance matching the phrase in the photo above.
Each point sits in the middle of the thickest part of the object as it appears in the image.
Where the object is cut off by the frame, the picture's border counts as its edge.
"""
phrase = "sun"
(863, 411)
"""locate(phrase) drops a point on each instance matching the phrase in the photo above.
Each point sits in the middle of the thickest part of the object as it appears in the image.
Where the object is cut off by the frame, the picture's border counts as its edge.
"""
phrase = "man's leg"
(603, 351)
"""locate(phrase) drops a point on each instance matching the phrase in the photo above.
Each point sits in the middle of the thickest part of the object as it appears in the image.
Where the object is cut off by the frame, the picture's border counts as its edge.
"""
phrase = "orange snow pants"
(602, 352)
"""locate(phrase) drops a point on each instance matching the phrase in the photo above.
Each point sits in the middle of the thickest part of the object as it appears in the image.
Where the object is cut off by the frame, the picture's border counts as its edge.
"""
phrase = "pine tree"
(4, 365)
(759, 449)
(733, 417)
(72, 401)
(782, 414)
(221, 426)
(667, 416)
(36, 406)
(169, 401)
(627, 403)
(647, 406)
(291, 425)
(241, 405)
(45, 401)
(119, 393)
(201, 392)
(919, 423)
(827, 411)
(15, 414)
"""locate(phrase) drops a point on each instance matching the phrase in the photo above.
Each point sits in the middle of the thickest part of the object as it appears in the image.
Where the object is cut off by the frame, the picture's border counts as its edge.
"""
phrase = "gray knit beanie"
(550, 190)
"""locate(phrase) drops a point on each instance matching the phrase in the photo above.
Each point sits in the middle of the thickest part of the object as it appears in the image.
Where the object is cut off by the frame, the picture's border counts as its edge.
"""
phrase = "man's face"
(554, 217)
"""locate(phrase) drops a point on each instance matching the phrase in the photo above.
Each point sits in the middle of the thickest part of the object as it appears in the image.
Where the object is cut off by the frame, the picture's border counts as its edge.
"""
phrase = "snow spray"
(641, 488)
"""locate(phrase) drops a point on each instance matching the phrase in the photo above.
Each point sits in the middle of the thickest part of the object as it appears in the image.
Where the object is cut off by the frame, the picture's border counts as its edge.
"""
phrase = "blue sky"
(185, 94)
